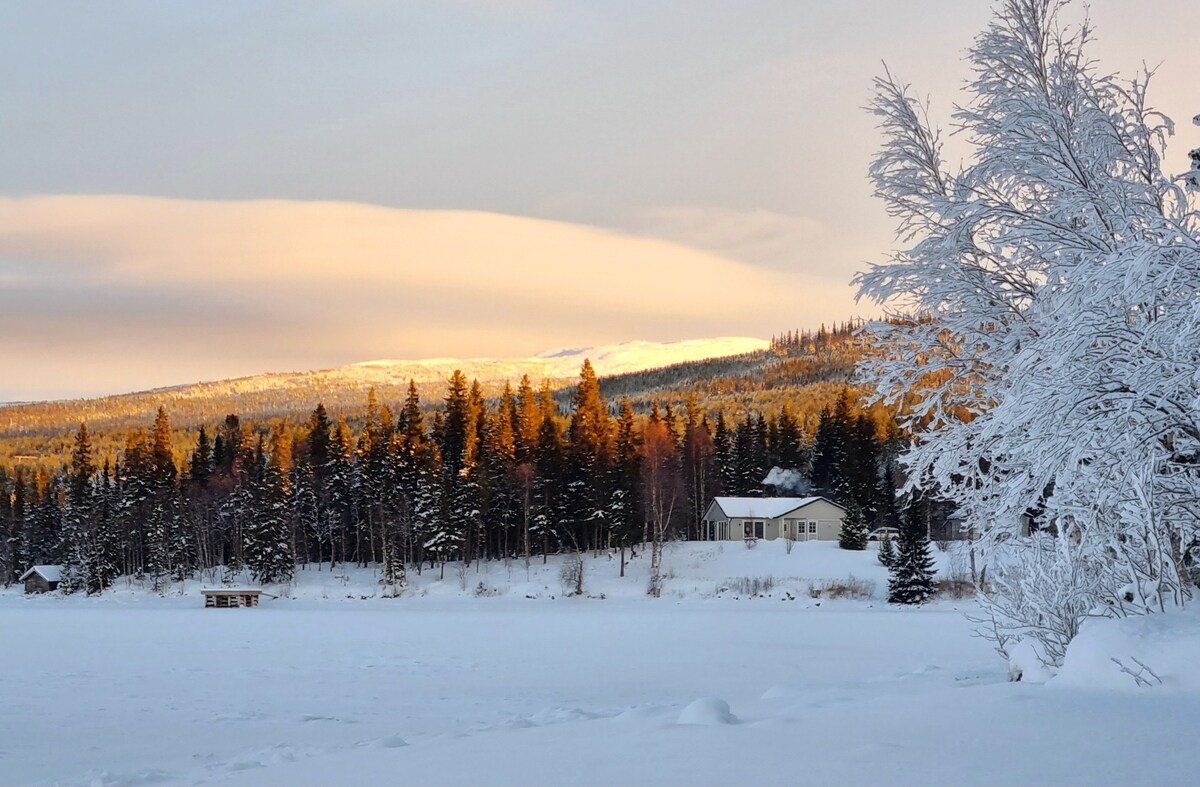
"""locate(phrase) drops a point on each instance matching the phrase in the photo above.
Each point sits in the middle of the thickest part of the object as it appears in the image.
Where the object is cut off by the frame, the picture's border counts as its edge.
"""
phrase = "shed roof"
(764, 507)
(48, 573)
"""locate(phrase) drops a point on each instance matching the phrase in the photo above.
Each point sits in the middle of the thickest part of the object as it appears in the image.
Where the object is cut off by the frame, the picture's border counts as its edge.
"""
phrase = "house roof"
(764, 507)
(48, 573)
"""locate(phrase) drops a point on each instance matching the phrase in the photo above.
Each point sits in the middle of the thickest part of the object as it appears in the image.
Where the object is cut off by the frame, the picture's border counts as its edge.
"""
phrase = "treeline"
(476, 479)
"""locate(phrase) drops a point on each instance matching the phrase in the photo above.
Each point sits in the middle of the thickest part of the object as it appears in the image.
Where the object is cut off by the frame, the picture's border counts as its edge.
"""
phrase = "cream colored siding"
(815, 520)
(828, 530)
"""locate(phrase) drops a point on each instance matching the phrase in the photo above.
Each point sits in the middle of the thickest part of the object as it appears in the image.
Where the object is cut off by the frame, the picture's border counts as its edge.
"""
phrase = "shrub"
(956, 586)
(851, 587)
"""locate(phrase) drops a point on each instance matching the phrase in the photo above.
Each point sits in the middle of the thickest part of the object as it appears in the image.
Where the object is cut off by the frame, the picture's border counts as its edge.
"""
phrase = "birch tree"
(1045, 337)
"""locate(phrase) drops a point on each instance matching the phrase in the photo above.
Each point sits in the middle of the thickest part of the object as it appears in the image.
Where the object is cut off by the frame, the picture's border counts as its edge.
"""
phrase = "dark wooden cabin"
(42, 579)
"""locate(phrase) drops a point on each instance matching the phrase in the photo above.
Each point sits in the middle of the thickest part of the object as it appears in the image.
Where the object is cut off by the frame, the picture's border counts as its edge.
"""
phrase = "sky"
(191, 191)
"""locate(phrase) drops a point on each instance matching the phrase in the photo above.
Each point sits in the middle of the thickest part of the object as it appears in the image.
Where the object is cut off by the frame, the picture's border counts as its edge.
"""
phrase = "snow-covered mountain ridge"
(606, 359)
(343, 388)
(562, 364)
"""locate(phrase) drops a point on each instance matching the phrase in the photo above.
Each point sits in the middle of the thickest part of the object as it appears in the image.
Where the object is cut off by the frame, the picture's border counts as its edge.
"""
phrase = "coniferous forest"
(411, 486)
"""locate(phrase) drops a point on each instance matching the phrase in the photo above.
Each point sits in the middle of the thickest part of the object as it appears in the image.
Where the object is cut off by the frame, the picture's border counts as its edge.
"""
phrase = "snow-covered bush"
(570, 574)
(1046, 337)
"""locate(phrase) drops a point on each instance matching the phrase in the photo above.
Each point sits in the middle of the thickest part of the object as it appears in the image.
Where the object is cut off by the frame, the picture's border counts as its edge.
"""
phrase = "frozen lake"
(502, 691)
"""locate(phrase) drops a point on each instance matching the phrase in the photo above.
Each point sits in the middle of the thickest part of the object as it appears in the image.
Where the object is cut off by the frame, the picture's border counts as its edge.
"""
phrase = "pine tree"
(623, 505)
(102, 563)
(162, 457)
(723, 457)
(78, 513)
(8, 563)
(912, 573)
(887, 551)
(854, 532)
(268, 549)
(201, 466)
(788, 448)
(44, 521)
(547, 510)
(697, 464)
(341, 514)
(587, 459)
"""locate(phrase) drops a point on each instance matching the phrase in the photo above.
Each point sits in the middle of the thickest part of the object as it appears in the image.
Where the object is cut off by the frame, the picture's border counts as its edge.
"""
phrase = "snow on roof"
(48, 573)
(765, 507)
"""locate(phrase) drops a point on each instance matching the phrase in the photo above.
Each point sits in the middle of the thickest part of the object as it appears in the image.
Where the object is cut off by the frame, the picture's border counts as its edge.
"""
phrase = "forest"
(468, 477)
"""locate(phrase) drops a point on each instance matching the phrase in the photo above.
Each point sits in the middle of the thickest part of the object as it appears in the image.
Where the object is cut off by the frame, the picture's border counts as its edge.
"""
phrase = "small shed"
(231, 597)
(42, 579)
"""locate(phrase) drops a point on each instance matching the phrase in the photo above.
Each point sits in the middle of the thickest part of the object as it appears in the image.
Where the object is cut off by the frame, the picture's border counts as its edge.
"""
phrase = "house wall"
(36, 584)
(827, 516)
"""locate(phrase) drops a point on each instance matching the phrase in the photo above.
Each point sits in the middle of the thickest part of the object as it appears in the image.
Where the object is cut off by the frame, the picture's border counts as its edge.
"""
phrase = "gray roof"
(762, 507)
(48, 573)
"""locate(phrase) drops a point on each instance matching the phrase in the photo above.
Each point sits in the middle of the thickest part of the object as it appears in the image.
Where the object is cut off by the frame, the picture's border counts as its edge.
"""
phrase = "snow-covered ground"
(704, 686)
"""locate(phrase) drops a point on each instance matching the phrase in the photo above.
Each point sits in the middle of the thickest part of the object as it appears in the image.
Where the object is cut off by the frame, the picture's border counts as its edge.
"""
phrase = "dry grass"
(956, 586)
(851, 587)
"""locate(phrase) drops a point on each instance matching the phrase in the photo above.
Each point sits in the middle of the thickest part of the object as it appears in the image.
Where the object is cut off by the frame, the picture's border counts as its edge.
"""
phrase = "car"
(883, 533)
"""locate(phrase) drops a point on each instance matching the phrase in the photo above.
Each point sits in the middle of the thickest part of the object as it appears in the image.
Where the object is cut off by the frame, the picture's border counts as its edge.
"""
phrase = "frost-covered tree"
(1046, 332)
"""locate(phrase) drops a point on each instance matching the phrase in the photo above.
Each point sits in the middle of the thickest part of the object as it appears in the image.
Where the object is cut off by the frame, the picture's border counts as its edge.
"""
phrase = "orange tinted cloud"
(130, 291)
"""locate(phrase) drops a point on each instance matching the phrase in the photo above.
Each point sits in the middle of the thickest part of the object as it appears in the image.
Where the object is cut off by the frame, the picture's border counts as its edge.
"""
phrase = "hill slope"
(344, 388)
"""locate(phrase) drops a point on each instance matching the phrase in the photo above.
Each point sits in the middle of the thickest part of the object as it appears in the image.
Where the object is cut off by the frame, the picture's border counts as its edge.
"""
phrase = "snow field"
(449, 688)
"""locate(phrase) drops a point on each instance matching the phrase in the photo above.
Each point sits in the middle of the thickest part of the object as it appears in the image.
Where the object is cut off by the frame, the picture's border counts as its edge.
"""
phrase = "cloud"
(764, 238)
(113, 293)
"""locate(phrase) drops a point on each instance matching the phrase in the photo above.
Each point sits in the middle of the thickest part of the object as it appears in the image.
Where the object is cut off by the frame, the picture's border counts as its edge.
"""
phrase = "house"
(42, 579)
(795, 518)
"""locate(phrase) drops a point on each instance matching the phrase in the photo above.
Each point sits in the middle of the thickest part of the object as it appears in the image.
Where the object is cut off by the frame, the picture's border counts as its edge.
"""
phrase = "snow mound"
(1025, 663)
(708, 711)
(1148, 651)
(390, 742)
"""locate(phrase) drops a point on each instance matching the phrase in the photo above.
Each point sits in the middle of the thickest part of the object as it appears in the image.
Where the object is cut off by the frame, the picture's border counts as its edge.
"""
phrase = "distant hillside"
(343, 390)
(802, 369)
(805, 371)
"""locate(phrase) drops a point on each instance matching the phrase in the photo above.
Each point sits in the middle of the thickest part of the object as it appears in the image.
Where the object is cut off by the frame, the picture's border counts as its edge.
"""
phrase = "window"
(812, 528)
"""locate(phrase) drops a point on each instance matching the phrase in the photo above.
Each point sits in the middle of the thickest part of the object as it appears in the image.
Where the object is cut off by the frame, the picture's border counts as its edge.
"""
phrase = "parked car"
(882, 533)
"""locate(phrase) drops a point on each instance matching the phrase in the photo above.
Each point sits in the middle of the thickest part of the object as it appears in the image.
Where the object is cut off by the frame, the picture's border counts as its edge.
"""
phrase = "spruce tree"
(723, 457)
(887, 551)
(625, 477)
(548, 484)
(854, 533)
(587, 459)
(268, 549)
(912, 572)
(201, 466)
(78, 513)
(8, 564)
(102, 566)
